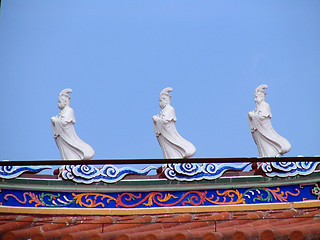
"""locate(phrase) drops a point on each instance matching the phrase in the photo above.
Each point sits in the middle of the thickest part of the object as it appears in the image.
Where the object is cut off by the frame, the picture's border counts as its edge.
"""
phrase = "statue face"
(258, 97)
(163, 101)
(62, 102)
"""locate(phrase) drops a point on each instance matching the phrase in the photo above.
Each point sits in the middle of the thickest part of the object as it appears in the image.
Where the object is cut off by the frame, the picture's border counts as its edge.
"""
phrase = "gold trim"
(164, 210)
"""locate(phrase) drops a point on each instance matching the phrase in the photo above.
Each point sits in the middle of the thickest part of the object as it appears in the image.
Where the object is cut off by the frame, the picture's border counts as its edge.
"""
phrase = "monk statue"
(172, 144)
(70, 145)
(269, 143)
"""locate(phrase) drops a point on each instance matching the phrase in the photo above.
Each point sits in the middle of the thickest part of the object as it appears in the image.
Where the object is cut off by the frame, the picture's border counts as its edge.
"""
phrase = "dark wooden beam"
(155, 161)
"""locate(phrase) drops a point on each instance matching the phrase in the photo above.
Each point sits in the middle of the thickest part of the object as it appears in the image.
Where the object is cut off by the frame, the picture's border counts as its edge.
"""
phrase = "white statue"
(172, 144)
(269, 143)
(70, 145)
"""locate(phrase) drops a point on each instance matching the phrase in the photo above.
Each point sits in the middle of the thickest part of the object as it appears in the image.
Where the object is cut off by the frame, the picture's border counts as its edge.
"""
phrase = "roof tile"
(294, 224)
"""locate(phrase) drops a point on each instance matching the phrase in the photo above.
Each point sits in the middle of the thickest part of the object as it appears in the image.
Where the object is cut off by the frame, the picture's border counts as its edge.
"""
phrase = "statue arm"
(169, 115)
(165, 117)
(161, 122)
(67, 117)
(54, 119)
(55, 129)
(262, 113)
(61, 123)
(265, 112)
(65, 122)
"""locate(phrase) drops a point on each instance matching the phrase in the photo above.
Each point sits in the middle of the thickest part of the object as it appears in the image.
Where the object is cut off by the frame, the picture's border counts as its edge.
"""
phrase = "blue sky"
(117, 56)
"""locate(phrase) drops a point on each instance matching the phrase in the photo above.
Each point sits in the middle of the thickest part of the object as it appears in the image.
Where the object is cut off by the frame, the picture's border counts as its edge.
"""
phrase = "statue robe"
(269, 143)
(70, 145)
(172, 144)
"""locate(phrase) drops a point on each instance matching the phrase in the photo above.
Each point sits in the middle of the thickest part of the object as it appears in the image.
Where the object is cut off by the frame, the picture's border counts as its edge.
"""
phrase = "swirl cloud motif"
(9, 172)
(108, 173)
(193, 171)
(189, 169)
(288, 169)
(87, 172)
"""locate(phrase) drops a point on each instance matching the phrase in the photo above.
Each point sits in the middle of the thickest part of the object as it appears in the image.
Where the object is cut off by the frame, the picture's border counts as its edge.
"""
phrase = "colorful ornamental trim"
(288, 169)
(211, 171)
(316, 191)
(10, 172)
(127, 200)
(88, 174)
(206, 171)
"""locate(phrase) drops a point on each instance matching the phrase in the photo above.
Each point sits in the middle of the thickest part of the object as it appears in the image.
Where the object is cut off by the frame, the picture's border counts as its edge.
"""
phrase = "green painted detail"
(55, 199)
(260, 196)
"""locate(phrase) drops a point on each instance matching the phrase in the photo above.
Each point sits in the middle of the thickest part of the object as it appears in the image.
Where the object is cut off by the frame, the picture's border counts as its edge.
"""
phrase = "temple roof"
(237, 205)
(265, 225)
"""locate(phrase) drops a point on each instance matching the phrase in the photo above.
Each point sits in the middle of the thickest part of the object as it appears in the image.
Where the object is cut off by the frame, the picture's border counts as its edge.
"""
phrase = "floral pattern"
(160, 199)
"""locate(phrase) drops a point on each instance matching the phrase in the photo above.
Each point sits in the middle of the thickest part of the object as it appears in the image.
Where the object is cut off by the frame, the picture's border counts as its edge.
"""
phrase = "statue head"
(165, 97)
(64, 98)
(260, 94)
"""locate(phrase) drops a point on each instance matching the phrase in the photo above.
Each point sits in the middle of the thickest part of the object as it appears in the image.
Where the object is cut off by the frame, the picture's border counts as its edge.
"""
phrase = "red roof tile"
(108, 229)
(84, 226)
(169, 222)
(264, 225)
(30, 232)
(19, 223)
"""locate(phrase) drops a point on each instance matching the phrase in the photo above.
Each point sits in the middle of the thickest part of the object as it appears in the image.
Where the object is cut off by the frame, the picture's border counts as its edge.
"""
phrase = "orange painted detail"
(230, 194)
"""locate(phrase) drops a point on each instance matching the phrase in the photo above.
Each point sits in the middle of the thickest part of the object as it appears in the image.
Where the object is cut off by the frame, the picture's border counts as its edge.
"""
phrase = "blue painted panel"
(121, 200)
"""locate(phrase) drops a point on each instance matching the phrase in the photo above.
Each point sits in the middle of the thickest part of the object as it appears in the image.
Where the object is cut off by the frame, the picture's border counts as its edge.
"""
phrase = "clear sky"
(118, 55)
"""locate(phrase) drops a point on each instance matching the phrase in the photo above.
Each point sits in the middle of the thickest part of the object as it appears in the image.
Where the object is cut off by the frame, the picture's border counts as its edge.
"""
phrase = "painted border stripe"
(148, 211)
